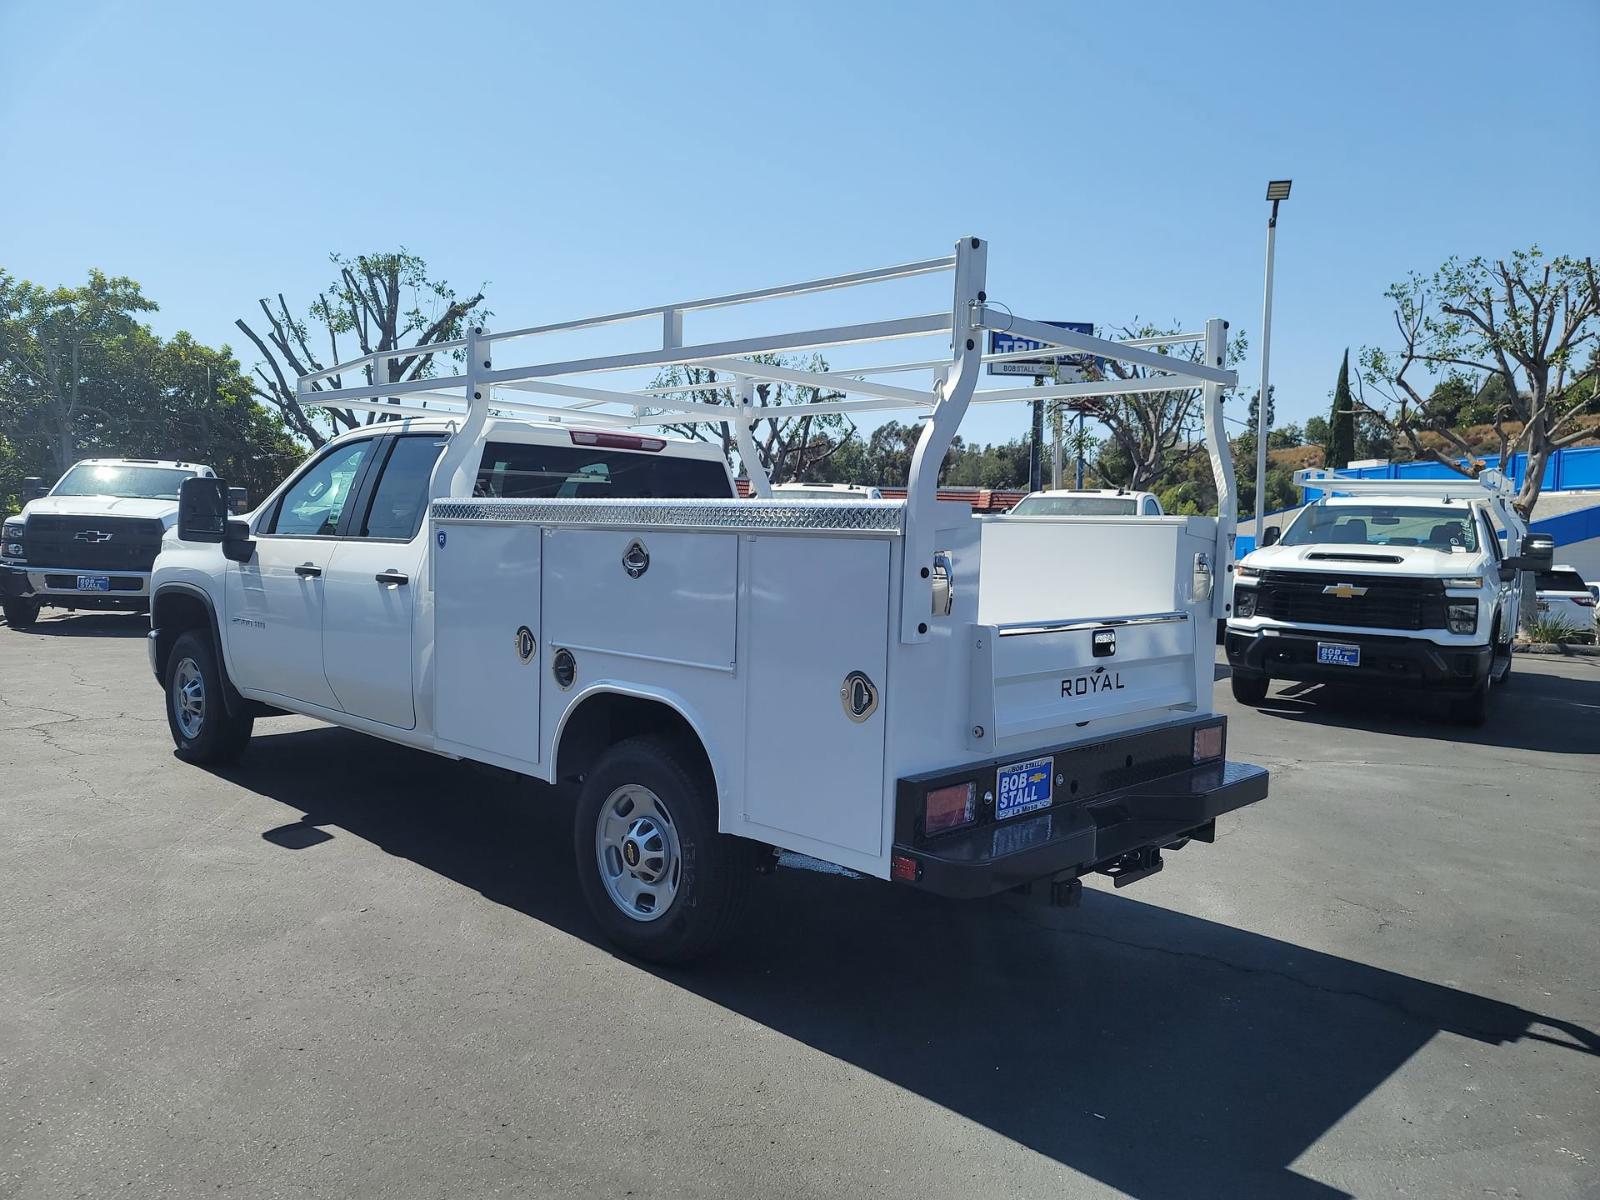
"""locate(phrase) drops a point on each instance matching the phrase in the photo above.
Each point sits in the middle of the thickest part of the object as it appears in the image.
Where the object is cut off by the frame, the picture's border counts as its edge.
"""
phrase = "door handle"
(308, 570)
(392, 576)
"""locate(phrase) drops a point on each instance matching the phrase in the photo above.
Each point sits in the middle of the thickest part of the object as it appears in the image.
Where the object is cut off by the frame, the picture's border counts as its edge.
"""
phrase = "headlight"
(1244, 572)
(11, 550)
(12, 531)
(1464, 581)
(1244, 602)
(1462, 615)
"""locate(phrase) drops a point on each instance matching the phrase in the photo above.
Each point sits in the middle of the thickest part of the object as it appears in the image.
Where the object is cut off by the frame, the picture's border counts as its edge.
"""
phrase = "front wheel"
(20, 614)
(661, 881)
(1473, 708)
(203, 730)
(1248, 688)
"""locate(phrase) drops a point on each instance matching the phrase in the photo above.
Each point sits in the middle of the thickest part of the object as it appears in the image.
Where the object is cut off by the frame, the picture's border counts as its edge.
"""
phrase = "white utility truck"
(542, 583)
(90, 541)
(1387, 583)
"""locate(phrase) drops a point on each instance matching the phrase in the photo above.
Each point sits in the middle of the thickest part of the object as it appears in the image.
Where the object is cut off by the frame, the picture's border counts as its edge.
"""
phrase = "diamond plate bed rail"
(845, 516)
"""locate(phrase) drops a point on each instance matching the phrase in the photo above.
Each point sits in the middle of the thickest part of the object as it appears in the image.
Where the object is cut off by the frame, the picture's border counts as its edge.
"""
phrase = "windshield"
(1448, 529)
(1075, 506)
(788, 493)
(106, 479)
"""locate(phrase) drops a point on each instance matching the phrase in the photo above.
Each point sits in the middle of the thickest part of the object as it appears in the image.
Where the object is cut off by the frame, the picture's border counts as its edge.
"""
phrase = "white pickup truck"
(1387, 583)
(90, 541)
(543, 584)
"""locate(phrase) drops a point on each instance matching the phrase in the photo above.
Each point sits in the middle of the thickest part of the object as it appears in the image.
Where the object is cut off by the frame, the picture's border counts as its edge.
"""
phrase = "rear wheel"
(1250, 688)
(20, 614)
(661, 881)
(203, 730)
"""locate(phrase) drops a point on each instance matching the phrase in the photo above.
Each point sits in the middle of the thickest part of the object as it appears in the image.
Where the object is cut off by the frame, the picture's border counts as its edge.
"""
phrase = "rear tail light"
(1207, 743)
(616, 441)
(1583, 601)
(949, 807)
(1462, 615)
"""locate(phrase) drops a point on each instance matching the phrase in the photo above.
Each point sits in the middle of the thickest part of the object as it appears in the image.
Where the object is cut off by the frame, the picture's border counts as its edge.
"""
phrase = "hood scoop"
(1381, 558)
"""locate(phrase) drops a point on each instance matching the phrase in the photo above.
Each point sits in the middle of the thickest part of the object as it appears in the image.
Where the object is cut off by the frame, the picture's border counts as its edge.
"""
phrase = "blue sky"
(586, 157)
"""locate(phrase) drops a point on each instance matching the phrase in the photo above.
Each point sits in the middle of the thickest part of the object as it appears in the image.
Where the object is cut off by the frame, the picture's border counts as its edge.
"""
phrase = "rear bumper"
(1385, 660)
(1091, 830)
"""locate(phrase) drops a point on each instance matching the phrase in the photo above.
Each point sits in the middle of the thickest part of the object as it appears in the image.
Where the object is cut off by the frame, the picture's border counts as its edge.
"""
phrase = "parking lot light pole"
(1277, 191)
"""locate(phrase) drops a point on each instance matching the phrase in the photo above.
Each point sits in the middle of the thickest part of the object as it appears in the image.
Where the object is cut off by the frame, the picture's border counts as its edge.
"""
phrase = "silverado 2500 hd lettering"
(516, 568)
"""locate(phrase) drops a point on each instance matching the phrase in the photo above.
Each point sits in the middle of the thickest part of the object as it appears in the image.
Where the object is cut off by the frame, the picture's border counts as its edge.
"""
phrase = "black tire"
(20, 614)
(709, 872)
(1250, 688)
(1473, 708)
(203, 730)
(1504, 677)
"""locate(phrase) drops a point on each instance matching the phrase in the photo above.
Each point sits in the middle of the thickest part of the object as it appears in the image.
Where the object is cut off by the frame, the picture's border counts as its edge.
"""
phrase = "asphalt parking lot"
(344, 968)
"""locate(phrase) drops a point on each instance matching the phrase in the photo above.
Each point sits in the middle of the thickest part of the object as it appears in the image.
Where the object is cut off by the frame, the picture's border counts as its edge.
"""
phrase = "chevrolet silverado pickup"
(516, 566)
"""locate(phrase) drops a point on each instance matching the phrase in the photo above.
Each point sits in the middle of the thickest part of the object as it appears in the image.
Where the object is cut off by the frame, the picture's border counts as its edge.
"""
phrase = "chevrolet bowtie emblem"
(1343, 590)
(92, 535)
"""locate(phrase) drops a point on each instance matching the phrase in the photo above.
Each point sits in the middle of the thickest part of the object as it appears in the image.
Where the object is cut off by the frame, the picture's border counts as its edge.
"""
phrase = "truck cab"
(1387, 584)
(90, 542)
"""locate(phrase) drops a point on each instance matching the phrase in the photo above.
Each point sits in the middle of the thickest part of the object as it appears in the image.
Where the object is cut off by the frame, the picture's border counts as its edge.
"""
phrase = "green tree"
(1153, 432)
(1531, 322)
(385, 301)
(56, 347)
(1339, 447)
(1317, 431)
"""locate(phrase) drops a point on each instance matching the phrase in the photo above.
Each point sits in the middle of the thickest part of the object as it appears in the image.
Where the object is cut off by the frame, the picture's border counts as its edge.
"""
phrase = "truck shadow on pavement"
(87, 625)
(1163, 1054)
(1557, 714)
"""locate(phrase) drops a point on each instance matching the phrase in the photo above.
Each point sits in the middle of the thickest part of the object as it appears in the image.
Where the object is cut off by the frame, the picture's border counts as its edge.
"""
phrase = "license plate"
(1023, 787)
(1334, 654)
(94, 583)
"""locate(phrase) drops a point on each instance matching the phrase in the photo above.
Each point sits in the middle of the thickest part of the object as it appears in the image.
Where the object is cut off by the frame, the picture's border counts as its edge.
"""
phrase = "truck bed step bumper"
(1105, 832)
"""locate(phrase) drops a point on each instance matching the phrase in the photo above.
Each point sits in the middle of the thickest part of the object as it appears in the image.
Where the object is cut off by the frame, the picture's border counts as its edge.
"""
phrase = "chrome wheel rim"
(189, 698)
(636, 846)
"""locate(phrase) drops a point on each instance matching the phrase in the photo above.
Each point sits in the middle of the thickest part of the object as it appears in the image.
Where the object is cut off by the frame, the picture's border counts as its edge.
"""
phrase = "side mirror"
(32, 488)
(1508, 572)
(202, 510)
(1271, 535)
(1538, 552)
(236, 542)
(238, 500)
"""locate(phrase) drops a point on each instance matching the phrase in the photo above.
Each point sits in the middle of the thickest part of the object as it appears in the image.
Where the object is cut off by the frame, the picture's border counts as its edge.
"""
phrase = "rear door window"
(1561, 581)
(401, 496)
(523, 471)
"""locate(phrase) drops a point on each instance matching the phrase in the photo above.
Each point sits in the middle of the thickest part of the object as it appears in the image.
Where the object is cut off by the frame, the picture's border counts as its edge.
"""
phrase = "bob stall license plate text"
(94, 583)
(1024, 787)
(1337, 654)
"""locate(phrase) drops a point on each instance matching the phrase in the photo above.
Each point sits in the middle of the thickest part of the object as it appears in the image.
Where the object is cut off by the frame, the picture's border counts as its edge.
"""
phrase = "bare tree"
(788, 446)
(1525, 322)
(386, 302)
(1156, 431)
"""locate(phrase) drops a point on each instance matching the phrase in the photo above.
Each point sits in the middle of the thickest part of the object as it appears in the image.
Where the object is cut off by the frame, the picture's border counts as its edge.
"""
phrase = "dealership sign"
(1071, 366)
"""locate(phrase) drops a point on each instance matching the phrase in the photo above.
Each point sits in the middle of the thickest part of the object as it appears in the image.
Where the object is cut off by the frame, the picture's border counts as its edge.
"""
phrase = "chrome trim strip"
(1021, 628)
(856, 516)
